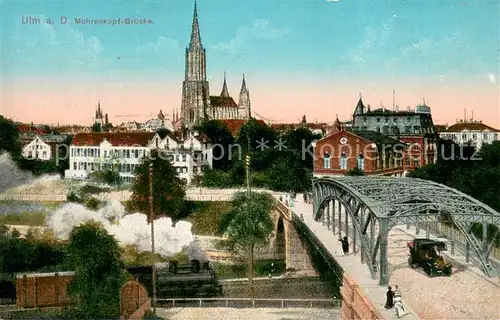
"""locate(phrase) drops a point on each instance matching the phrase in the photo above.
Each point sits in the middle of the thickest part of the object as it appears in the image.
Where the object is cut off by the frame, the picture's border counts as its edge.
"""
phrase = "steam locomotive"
(180, 281)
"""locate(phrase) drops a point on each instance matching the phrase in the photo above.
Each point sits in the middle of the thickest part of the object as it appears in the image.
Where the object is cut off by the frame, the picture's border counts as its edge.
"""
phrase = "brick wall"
(43, 289)
(354, 304)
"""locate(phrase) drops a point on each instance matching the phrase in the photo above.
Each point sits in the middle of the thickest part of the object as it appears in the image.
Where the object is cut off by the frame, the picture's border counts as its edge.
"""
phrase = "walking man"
(345, 246)
(389, 300)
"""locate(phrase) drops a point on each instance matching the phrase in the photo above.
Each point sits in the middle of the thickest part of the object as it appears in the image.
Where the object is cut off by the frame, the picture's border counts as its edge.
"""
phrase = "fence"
(250, 303)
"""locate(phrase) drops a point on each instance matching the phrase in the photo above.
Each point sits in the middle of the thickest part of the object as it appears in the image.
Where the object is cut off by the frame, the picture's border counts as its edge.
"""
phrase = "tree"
(298, 141)
(168, 191)
(107, 176)
(95, 257)
(96, 127)
(219, 136)
(247, 225)
(9, 137)
(355, 172)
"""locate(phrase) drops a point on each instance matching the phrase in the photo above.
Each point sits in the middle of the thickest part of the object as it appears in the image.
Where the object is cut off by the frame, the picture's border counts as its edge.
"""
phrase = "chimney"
(106, 119)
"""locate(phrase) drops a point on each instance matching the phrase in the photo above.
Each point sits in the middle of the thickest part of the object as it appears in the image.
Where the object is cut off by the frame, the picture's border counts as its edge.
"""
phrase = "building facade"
(197, 103)
(473, 133)
(42, 147)
(371, 152)
(412, 127)
(124, 151)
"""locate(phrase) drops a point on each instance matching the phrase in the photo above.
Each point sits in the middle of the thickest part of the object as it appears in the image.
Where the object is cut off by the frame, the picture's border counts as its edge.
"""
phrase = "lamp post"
(151, 217)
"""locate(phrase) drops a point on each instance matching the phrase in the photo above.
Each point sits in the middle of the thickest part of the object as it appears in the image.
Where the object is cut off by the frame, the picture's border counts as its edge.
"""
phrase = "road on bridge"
(467, 294)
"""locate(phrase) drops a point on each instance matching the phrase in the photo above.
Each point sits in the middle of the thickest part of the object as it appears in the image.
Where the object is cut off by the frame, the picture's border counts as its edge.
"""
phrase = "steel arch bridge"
(373, 205)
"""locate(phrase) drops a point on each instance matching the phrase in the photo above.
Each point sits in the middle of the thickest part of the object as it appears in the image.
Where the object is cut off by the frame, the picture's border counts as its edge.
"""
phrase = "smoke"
(128, 229)
(10, 175)
(194, 251)
(13, 179)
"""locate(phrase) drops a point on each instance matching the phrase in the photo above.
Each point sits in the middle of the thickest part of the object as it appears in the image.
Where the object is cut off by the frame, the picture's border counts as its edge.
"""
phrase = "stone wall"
(354, 304)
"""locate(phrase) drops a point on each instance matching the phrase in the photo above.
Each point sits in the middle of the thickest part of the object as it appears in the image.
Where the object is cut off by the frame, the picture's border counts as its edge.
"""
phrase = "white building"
(474, 133)
(124, 151)
(42, 147)
(152, 125)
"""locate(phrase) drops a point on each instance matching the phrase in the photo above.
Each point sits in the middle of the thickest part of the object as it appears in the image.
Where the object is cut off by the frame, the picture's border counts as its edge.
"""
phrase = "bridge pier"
(383, 234)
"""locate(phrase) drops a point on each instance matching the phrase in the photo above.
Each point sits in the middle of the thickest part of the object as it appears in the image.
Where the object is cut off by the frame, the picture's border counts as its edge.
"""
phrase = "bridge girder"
(390, 201)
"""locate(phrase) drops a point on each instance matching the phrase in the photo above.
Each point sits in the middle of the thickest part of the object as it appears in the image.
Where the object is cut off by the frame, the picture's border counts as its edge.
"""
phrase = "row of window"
(343, 162)
(96, 166)
(360, 162)
(128, 154)
(474, 136)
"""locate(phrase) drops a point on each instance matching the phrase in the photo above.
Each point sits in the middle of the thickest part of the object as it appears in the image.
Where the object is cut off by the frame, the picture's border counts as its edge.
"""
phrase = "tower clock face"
(343, 140)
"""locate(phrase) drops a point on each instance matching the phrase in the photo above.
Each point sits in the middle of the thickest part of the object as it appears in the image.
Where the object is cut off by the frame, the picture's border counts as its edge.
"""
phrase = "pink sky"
(72, 101)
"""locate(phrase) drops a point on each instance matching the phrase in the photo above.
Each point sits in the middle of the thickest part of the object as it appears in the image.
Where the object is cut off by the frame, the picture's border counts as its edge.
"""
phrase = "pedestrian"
(398, 303)
(389, 300)
(345, 246)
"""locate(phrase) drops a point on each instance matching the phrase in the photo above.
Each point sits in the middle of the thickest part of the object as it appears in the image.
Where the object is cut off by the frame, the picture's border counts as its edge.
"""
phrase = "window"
(74, 166)
(44, 154)
(183, 157)
(326, 161)
(361, 162)
(343, 161)
(195, 169)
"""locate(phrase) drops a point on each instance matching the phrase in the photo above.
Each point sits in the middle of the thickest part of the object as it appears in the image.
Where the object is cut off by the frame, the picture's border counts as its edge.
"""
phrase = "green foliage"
(30, 254)
(108, 176)
(206, 217)
(9, 137)
(218, 134)
(96, 127)
(23, 218)
(476, 175)
(94, 255)
(288, 169)
(249, 222)
(355, 172)
(168, 191)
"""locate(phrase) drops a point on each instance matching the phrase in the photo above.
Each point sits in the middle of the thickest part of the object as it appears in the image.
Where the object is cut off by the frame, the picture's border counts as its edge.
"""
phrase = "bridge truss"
(376, 204)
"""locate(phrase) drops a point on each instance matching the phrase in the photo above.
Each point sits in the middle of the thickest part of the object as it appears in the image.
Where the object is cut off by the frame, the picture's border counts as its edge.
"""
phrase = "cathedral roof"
(228, 102)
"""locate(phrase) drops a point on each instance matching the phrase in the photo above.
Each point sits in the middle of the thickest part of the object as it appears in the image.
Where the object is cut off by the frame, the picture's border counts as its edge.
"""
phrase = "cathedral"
(197, 103)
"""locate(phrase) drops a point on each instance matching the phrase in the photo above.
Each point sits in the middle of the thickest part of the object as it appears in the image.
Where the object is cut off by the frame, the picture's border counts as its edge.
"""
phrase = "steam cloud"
(128, 229)
(10, 175)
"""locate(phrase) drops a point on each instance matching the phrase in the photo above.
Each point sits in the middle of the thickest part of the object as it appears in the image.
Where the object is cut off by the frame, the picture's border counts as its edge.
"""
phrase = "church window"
(343, 161)
(326, 161)
(361, 162)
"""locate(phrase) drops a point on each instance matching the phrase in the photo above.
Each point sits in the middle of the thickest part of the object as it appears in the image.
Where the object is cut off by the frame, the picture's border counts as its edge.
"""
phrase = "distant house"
(474, 133)
(43, 147)
(124, 151)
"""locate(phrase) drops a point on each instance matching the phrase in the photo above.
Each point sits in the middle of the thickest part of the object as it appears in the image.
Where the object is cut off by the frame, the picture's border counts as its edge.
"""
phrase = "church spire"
(225, 92)
(195, 32)
(245, 99)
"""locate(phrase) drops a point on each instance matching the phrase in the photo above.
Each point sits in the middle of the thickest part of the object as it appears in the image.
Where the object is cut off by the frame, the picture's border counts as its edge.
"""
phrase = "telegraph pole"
(152, 218)
(250, 271)
(247, 162)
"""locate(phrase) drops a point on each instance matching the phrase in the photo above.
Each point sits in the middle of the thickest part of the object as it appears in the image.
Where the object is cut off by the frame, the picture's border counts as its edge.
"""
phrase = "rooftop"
(115, 138)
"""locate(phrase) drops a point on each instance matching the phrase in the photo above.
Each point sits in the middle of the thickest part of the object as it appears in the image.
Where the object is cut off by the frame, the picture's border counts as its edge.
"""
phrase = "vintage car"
(426, 254)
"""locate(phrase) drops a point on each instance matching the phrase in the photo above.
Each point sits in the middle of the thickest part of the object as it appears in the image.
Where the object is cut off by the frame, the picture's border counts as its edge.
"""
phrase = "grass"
(261, 268)
(33, 219)
(206, 217)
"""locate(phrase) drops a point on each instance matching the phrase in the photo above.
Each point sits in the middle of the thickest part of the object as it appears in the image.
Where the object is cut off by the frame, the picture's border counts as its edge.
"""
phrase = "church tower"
(195, 105)
(244, 102)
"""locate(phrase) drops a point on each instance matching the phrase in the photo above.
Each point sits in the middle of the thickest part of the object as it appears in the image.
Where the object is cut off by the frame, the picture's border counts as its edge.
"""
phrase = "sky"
(310, 58)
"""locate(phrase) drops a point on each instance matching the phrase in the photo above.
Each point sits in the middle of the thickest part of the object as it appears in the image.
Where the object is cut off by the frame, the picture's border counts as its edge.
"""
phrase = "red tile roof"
(470, 126)
(115, 138)
(235, 125)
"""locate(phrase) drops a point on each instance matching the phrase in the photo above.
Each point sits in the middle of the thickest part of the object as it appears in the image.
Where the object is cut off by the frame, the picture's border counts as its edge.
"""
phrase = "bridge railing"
(250, 303)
